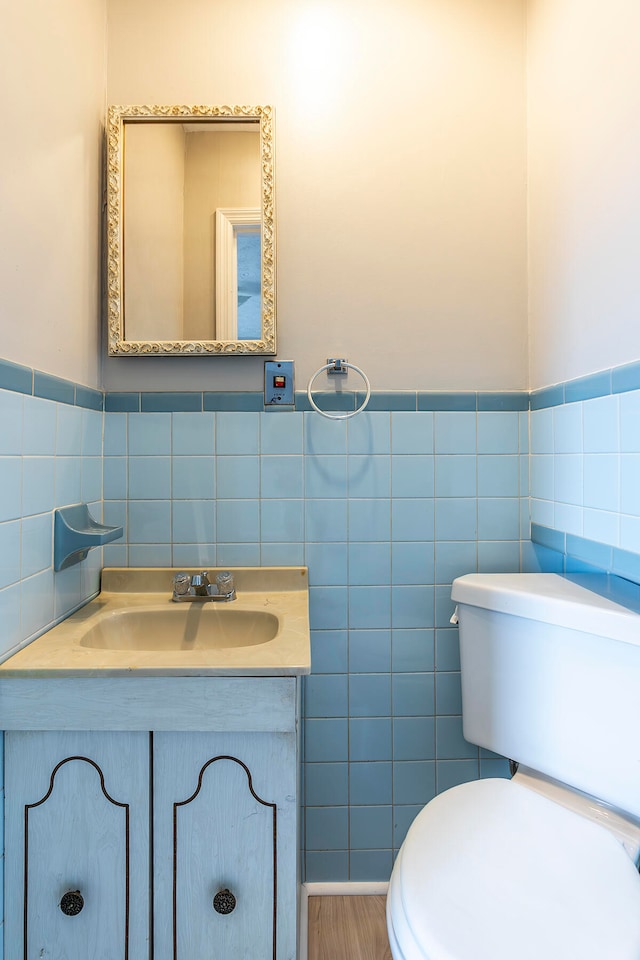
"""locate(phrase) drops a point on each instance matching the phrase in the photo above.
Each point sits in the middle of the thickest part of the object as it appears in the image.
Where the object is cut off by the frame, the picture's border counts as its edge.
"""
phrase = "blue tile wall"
(585, 465)
(385, 510)
(50, 456)
(397, 500)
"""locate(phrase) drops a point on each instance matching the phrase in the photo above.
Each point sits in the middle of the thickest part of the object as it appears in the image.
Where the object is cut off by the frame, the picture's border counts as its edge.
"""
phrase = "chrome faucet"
(200, 584)
(198, 587)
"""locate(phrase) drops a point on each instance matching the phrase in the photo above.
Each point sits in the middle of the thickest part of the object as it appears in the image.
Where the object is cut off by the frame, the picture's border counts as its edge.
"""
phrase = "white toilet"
(543, 865)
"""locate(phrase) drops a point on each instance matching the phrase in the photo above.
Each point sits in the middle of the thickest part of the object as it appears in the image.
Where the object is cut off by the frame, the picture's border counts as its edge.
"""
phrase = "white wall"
(400, 180)
(584, 158)
(52, 73)
(400, 177)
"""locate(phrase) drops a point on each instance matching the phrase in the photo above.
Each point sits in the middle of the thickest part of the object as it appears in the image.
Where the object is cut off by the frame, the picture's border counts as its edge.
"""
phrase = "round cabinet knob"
(72, 903)
(224, 902)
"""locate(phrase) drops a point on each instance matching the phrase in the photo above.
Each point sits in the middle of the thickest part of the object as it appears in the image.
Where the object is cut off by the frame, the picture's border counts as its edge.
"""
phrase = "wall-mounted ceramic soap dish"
(74, 533)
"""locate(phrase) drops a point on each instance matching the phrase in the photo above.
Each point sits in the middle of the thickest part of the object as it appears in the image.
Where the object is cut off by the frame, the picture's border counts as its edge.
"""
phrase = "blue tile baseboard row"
(21, 379)
(601, 384)
(251, 401)
(587, 556)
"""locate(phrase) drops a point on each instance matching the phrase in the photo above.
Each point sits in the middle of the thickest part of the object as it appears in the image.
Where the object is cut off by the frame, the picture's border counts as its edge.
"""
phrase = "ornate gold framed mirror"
(190, 230)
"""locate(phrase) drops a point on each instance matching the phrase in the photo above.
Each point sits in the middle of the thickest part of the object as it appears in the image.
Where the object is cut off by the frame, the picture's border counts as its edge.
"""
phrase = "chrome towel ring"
(333, 367)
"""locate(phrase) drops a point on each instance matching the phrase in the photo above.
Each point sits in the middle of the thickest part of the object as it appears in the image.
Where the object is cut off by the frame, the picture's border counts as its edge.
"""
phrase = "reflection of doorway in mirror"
(238, 274)
(248, 259)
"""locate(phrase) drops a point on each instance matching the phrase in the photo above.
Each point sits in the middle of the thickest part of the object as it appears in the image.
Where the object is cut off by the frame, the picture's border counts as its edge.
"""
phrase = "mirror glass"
(191, 245)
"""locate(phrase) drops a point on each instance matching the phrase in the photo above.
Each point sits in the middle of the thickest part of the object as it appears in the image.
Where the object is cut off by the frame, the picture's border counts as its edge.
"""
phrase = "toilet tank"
(551, 677)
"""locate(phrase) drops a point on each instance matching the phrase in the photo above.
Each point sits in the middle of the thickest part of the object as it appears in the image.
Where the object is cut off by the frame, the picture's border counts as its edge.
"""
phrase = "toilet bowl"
(491, 870)
(538, 866)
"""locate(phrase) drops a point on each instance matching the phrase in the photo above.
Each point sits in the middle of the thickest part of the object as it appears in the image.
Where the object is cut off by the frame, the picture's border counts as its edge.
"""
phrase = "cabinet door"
(225, 820)
(76, 846)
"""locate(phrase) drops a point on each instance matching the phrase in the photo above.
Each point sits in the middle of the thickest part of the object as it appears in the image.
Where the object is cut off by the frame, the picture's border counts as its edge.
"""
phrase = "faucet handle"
(181, 583)
(224, 582)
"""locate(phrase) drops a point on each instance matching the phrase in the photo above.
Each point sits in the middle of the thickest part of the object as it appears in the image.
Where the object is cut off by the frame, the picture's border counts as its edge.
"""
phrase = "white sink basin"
(188, 627)
(133, 625)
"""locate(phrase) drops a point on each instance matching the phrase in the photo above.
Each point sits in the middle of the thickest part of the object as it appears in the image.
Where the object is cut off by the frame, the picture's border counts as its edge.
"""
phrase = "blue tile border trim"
(171, 402)
(589, 551)
(334, 401)
(546, 537)
(503, 401)
(547, 397)
(388, 401)
(36, 383)
(625, 378)
(586, 388)
(242, 402)
(22, 379)
(626, 564)
(253, 401)
(600, 384)
(53, 388)
(581, 555)
(122, 402)
(447, 401)
(13, 376)
(91, 399)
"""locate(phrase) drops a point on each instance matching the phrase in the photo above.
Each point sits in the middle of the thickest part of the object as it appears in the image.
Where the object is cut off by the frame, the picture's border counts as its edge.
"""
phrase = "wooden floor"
(348, 928)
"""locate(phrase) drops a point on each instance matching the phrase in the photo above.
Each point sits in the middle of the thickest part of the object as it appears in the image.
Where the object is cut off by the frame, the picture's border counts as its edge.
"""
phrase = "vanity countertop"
(133, 627)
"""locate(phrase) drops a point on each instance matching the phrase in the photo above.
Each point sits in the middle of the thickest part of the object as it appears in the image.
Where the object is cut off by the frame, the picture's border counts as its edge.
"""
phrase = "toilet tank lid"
(597, 604)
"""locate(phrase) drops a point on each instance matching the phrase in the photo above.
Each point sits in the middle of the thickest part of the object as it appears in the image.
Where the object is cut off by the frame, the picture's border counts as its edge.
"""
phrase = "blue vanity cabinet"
(225, 851)
(167, 831)
(76, 845)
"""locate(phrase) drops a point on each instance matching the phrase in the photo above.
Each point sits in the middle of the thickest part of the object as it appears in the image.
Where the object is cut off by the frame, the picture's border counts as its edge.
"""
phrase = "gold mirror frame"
(118, 346)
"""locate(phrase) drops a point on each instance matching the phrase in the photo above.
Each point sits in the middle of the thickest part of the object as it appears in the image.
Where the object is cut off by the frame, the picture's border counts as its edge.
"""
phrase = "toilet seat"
(491, 870)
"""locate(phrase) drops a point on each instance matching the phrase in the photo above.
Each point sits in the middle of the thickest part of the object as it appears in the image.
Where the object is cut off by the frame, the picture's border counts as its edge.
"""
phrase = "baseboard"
(349, 888)
(346, 889)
